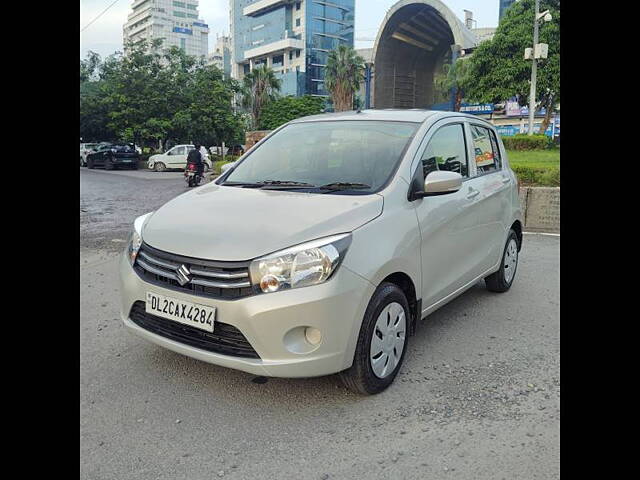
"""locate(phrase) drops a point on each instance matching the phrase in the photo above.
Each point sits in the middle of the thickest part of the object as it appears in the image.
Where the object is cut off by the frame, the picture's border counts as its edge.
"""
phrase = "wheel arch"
(405, 283)
(517, 227)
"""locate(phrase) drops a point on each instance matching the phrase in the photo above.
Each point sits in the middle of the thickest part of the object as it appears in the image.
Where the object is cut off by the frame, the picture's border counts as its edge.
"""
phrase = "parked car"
(323, 247)
(86, 148)
(174, 158)
(112, 156)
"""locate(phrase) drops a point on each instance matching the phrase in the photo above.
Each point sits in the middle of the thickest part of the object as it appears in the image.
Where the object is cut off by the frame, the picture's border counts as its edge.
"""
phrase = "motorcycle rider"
(194, 157)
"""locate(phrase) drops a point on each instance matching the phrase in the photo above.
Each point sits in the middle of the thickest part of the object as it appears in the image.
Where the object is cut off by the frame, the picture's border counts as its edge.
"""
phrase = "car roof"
(415, 115)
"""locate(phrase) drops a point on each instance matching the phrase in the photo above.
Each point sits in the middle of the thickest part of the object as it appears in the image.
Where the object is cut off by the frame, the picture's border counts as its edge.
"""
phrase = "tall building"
(221, 55)
(504, 4)
(293, 37)
(177, 23)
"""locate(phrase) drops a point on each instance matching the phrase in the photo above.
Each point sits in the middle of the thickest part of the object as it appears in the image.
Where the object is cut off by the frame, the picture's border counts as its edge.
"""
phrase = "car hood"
(230, 223)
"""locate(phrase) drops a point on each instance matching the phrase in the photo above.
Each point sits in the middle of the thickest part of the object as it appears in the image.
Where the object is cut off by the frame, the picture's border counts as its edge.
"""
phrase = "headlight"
(306, 264)
(136, 238)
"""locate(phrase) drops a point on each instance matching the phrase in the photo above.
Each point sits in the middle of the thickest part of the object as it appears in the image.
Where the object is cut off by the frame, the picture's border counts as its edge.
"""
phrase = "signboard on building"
(477, 108)
(188, 31)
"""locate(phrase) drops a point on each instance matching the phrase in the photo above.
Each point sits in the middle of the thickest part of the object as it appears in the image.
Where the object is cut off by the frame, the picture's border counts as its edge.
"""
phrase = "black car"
(114, 156)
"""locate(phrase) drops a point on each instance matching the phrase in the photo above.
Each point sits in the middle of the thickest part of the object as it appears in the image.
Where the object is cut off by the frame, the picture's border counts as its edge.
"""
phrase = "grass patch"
(217, 165)
(536, 168)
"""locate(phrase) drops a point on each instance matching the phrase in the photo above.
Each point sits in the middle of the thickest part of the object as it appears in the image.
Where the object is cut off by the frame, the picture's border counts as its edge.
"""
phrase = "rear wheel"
(81, 162)
(382, 342)
(501, 280)
(159, 167)
(108, 164)
(90, 164)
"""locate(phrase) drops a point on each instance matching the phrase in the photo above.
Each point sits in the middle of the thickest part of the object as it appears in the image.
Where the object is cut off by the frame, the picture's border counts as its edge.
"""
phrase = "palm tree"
(343, 73)
(260, 87)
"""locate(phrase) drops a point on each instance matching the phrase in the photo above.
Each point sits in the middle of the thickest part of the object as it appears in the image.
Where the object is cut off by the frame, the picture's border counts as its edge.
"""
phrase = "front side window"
(179, 151)
(446, 151)
(365, 153)
(486, 151)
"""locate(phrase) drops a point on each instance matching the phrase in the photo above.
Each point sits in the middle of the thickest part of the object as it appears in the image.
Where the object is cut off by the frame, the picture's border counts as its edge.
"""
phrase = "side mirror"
(442, 182)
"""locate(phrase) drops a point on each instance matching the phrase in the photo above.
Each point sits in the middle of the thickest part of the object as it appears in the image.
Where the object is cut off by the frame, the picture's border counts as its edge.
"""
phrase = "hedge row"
(523, 141)
(537, 177)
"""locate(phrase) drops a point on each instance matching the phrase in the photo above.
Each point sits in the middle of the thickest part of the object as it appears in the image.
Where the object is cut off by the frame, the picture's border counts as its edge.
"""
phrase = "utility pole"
(534, 70)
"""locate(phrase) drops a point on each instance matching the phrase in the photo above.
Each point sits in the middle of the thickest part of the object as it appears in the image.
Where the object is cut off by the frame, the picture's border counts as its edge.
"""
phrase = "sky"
(104, 36)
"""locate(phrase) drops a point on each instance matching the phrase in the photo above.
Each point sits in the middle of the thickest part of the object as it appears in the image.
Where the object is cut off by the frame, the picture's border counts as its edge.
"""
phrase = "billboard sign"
(183, 30)
(477, 108)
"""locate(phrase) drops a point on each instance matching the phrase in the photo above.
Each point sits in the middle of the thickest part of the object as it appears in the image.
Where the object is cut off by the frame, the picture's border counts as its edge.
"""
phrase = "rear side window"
(447, 151)
(486, 151)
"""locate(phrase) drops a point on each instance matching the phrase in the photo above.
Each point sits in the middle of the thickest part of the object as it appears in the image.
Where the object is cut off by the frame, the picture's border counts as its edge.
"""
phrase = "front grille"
(225, 339)
(207, 278)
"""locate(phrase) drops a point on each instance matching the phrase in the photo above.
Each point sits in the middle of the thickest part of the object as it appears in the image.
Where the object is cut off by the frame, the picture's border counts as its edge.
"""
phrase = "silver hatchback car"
(321, 249)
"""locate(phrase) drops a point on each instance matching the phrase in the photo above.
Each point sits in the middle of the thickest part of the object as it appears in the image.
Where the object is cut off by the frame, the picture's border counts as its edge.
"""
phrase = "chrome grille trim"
(157, 271)
(227, 280)
(205, 273)
(160, 263)
(209, 283)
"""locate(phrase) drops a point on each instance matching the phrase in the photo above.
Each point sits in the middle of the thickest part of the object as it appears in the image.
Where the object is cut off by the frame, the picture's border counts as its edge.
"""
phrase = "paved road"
(111, 200)
(477, 398)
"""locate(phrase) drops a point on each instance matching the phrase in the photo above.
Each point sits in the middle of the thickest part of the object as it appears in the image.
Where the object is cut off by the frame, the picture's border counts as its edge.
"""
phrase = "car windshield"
(333, 156)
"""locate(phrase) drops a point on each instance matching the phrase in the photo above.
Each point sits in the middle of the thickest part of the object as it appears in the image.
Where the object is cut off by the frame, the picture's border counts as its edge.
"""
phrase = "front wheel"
(382, 342)
(501, 280)
(90, 164)
(159, 167)
(108, 164)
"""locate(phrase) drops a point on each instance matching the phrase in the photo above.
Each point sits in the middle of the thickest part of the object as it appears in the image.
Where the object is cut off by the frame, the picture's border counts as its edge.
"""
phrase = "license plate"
(127, 161)
(187, 313)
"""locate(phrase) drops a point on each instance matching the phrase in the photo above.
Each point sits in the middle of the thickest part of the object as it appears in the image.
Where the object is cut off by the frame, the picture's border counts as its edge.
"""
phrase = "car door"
(178, 158)
(492, 186)
(447, 222)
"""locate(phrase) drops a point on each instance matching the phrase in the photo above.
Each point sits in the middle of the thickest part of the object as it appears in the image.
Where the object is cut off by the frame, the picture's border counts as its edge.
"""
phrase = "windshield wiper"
(243, 184)
(344, 186)
(283, 184)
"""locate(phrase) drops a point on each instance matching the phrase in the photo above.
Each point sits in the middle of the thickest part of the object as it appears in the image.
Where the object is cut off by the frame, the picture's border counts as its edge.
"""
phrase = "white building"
(176, 22)
(221, 55)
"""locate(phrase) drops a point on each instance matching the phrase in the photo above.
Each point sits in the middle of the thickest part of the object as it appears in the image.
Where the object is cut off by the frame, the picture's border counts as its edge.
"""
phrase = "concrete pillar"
(455, 51)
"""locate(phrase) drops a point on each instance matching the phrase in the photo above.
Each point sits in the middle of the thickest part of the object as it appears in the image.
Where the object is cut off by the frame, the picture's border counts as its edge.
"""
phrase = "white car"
(175, 158)
(330, 241)
(84, 149)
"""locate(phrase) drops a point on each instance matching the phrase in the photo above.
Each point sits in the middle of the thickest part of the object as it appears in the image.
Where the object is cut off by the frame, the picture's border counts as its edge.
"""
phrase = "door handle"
(506, 179)
(472, 194)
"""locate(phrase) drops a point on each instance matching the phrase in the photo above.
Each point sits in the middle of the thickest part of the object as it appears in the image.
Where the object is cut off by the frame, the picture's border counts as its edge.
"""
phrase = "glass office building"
(504, 4)
(292, 37)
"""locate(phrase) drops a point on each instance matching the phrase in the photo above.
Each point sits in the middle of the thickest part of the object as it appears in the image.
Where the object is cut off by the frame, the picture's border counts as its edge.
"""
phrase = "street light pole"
(534, 70)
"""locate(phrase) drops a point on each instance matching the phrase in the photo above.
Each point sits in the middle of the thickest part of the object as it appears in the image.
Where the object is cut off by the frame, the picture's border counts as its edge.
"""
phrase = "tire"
(134, 166)
(206, 168)
(90, 164)
(361, 377)
(81, 162)
(108, 164)
(502, 280)
(159, 167)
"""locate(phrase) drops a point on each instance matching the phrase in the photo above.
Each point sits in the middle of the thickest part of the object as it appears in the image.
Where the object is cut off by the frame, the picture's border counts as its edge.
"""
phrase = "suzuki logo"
(183, 275)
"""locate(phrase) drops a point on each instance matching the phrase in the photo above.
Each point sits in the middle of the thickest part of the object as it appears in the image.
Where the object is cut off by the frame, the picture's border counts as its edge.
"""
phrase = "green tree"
(343, 74)
(457, 76)
(260, 86)
(498, 69)
(285, 109)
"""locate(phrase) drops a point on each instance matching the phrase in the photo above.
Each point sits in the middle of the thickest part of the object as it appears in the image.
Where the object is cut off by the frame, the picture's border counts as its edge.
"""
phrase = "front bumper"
(272, 323)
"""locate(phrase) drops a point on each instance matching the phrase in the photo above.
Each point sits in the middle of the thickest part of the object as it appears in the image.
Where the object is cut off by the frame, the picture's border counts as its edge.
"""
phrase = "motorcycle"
(192, 175)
